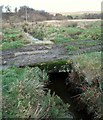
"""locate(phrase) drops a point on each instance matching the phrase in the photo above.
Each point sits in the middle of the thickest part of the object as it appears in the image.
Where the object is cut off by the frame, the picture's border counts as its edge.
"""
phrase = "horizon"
(56, 6)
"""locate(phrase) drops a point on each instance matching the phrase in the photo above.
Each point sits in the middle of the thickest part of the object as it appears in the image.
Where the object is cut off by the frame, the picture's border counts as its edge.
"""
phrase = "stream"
(31, 37)
(36, 40)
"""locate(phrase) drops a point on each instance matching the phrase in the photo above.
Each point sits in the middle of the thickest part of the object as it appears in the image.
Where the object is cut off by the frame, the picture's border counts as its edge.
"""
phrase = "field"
(23, 87)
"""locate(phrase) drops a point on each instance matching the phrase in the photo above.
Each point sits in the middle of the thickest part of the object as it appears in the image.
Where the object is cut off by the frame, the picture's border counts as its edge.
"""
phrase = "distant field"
(77, 13)
(53, 22)
(75, 20)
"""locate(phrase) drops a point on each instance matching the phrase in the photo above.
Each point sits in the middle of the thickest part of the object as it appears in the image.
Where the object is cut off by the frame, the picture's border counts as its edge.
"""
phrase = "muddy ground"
(33, 54)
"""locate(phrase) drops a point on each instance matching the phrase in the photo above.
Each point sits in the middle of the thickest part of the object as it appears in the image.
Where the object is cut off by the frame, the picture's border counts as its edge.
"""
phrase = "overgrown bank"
(23, 90)
(22, 93)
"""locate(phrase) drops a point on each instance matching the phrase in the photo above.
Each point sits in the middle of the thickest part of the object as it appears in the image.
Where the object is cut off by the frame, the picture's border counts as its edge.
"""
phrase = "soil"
(34, 54)
(27, 55)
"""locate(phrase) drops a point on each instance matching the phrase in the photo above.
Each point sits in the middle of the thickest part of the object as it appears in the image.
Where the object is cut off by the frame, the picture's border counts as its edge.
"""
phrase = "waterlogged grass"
(64, 33)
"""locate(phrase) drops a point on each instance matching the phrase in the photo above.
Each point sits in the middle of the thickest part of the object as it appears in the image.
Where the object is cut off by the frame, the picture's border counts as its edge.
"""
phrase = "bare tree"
(8, 8)
(24, 10)
(16, 9)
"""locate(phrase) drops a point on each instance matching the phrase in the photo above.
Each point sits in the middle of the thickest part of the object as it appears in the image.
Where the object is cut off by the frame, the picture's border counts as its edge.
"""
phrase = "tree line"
(30, 14)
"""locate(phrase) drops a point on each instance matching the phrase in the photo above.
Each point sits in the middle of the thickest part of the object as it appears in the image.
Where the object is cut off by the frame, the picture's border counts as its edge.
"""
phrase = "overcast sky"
(57, 5)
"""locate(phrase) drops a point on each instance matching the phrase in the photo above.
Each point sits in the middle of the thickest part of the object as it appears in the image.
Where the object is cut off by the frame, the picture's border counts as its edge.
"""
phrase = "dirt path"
(33, 54)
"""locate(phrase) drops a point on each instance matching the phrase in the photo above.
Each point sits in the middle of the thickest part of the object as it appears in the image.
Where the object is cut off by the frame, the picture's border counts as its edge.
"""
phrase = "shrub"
(70, 24)
(38, 32)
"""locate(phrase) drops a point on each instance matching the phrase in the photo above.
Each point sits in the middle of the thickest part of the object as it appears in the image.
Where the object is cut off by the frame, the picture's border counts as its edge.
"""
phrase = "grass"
(62, 34)
(61, 39)
(90, 64)
(22, 93)
(23, 87)
(93, 33)
(12, 38)
(23, 90)
(11, 76)
(11, 45)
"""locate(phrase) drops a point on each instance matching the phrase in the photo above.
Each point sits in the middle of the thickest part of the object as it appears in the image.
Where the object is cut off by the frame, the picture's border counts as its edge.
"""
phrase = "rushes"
(25, 97)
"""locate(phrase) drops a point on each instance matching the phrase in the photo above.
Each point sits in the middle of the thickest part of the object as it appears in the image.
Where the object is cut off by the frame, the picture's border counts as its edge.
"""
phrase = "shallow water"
(3, 67)
(31, 37)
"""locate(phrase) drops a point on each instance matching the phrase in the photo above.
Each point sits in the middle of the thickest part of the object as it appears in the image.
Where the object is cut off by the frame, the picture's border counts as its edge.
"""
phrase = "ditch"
(66, 90)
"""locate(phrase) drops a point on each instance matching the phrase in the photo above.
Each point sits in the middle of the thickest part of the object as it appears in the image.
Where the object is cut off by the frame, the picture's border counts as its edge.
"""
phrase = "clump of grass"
(25, 26)
(38, 33)
(8, 45)
(61, 39)
(92, 97)
(91, 86)
(90, 63)
(91, 33)
(12, 38)
(69, 24)
(24, 97)
(72, 48)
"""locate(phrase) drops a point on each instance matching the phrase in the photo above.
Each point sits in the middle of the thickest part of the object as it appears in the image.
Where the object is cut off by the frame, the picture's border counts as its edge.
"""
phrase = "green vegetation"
(12, 38)
(90, 63)
(22, 93)
(93, 33)
(65, 33)
(38, 32)
(10, 45)
(92, 97)
(23, 88)
(73, 35)
(58, 65)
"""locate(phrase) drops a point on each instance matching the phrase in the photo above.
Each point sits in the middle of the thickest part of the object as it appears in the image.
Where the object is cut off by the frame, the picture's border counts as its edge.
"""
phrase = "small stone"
(4, 62)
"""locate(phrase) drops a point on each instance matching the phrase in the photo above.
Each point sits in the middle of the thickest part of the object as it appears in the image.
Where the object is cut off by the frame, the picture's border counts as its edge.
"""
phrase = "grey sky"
(57, 5)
